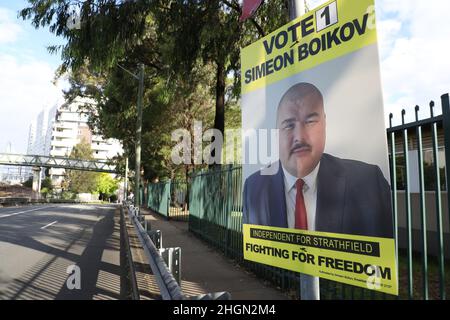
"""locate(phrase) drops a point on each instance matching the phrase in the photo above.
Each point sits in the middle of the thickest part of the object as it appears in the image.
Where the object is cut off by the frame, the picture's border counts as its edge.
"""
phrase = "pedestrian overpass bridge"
(56, 162)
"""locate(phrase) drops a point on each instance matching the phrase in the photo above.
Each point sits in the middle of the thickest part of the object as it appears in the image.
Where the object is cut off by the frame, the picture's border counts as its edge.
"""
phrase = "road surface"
(48, 251)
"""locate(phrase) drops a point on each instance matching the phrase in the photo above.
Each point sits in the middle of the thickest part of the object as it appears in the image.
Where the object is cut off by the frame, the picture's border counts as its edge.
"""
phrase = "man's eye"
(311, 121)
(289, 126)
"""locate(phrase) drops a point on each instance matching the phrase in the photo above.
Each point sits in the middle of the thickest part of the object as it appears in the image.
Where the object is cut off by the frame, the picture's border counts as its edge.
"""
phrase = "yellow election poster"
(366, 262)
(315, 170)
(306, 42)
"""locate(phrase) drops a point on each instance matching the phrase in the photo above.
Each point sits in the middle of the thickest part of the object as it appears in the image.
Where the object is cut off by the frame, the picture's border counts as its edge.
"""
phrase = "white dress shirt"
(309, 284)
(309, 195)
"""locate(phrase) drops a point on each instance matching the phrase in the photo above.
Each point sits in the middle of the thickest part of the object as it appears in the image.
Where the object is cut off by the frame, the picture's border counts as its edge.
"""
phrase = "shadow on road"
(89, 240)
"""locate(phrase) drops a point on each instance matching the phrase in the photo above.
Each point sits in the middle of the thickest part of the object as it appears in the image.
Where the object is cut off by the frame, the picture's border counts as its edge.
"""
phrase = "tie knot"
(299, 184)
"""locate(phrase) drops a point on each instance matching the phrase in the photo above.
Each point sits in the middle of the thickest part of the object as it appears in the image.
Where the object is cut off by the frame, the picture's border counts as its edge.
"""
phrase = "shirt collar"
(310, 180)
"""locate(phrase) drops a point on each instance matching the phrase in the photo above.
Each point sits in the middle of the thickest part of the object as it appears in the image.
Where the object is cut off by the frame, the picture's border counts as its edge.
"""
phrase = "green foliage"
(106, 185)
(82, 151)
(191, 53)
(67, 195)
(46, 187)
(47, 184)
(108, 28)
(28, 183)
(81, 181)
(45, 192)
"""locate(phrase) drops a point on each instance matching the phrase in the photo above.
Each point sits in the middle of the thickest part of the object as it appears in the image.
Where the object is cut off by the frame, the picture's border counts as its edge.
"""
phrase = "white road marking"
(50, 224)
(16, 213)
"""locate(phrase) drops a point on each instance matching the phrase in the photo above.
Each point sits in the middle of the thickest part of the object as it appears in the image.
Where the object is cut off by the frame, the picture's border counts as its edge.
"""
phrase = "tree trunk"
(186, 196)
(219, 120)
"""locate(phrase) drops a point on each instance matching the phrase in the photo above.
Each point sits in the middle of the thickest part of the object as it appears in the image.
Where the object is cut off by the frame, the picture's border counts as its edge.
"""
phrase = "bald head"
(301, 120)
(299, 93)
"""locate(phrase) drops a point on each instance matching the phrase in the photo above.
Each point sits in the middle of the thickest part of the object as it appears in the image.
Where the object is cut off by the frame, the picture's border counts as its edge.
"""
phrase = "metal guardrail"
(213, 296)
(20, 200)
(168, 286)
(164, 262)
(134, 291)
(156, 237)
(172, 258)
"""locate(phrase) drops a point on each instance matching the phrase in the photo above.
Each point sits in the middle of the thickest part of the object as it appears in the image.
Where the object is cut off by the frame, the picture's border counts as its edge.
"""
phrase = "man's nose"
(299, 132)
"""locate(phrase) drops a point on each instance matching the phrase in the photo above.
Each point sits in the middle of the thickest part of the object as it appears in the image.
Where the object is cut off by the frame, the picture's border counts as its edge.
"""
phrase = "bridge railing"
(56, 162)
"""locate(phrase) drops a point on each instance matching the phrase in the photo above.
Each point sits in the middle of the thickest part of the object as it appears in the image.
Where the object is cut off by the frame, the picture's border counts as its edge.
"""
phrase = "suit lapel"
(277, 200)
(330, 196)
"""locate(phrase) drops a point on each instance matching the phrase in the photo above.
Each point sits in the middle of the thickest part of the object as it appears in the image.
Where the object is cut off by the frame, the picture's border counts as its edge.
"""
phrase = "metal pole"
(394, 190)
(40, 182)
(297, 8)
(423, 217)
(408, 210)
(139, 136)
(125, 187)
(445, 100)
(438, 205)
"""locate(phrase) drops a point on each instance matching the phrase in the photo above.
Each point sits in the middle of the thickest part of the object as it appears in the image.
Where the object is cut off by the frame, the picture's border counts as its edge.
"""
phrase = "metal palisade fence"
(419, 163)
(169, 198)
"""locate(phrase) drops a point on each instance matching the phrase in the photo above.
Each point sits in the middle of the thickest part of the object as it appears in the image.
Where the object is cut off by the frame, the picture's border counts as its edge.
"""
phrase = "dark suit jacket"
(352, 198)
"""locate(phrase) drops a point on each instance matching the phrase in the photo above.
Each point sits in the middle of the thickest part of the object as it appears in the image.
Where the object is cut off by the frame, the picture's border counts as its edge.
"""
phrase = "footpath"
(204, 269)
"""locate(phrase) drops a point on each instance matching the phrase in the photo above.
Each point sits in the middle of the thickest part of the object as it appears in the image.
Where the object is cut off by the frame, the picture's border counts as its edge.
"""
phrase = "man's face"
(302, 134)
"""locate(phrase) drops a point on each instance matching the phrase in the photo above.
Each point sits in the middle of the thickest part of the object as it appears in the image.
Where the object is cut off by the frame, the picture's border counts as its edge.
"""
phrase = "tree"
(81, 181)
(108, 28)
(170, 103)
(106, 185)
(178, 42)
(28, 183)
(47, 183)
(46, 187)
(210, 30)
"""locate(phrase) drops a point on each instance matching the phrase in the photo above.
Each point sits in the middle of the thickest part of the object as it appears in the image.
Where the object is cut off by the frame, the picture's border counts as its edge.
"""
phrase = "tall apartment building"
(31, 138)
(40, 132)
(39, 136)
(69, 128)
(57, 130)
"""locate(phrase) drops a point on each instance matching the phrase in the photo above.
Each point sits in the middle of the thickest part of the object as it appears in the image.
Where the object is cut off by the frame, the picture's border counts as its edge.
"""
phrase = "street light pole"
(125, 187)
(140, 78)
(297, 8)
(139, 136)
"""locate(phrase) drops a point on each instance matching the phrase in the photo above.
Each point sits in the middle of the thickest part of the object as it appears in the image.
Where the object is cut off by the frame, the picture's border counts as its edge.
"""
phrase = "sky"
(413, 38)
(26, 74)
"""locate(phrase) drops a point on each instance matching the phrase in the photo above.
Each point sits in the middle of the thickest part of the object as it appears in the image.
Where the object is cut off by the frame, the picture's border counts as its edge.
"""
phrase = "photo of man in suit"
(337, 195)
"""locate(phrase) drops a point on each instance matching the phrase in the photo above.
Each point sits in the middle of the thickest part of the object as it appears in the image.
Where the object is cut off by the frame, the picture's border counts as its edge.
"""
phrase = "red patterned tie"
(301, 220)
